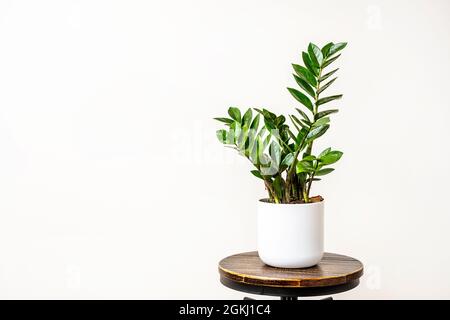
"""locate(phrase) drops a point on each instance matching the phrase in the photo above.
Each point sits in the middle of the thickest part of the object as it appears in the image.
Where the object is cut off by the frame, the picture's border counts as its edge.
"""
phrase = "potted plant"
(290, 220)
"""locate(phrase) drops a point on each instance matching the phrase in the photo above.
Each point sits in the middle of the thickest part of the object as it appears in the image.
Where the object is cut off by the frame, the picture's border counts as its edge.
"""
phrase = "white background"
(112, 184)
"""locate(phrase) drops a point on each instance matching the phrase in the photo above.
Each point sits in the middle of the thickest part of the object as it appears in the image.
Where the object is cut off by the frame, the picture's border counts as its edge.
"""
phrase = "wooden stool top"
(332, 270)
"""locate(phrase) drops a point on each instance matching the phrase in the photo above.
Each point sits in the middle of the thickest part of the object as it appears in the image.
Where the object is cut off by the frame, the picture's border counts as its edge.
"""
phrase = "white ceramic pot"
(290, 235)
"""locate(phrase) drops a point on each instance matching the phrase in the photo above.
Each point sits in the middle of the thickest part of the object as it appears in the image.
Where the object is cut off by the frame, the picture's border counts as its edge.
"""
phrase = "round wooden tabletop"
(332, 270)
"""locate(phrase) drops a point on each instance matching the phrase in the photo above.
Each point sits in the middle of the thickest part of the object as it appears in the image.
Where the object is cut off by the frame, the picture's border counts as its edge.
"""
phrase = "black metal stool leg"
(284, 298)
(295, 298)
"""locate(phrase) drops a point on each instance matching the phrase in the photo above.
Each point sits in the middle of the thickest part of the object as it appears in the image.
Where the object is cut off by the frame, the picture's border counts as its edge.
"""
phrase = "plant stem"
(294, 188)
(268, 184)
(310, 145)
(305, 195)
(291, 172)
(271, 191)
(309, 186)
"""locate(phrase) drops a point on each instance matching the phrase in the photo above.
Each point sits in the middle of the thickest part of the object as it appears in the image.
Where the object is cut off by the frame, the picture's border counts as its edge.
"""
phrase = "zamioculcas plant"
(290, 222)
(282, 155)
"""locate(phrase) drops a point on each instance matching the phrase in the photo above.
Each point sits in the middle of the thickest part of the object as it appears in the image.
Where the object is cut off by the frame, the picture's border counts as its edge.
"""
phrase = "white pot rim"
(265, 202)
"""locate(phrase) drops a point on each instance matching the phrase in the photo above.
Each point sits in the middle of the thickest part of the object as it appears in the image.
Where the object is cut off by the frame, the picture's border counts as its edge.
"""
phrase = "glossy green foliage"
(282, 157)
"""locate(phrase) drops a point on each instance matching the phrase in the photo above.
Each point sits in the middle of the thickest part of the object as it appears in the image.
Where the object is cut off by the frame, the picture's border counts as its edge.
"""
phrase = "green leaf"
(280, 120)
(304, 166)
(337, 47)
(235, 114)
(306, 123)
(298, 122)
(275, 152)
(292, 135)
(270, 115)
(225, 120)
(328, 99)
(251, 141)
(326, 49)
(235, 132)
(222, 135)
(292, 145)
(321, 122)
(242, 138)
(247, 118)
(331, 157)
(317, 132)
(303, 123)
(303, 84)
(323, 172)
(324, 113)
(302, 177)
(288, 159)
(266, 114)
(269, 124)
(309, 158)
(294, 122)
(316, 54)
(267, 140)
(324, 152)
(303, 115)
(259, 150)
(301, 135)
(257, 174)
(301, 98)
(259, 111)
(253, 152)
(262, 132)
(308, 63)
(330, 61)
(265, 165)
(321, 89)
(305, 74)
(255, 123)
(278, 186)
(327, 75)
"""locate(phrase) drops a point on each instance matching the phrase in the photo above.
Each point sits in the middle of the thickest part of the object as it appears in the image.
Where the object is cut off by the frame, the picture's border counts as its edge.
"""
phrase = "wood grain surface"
(333, 269)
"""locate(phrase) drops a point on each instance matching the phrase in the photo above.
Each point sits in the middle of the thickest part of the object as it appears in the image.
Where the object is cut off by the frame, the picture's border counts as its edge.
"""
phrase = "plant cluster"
(282, 157)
